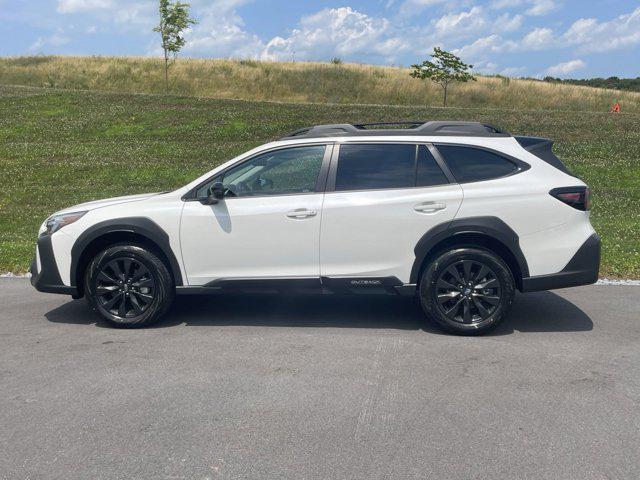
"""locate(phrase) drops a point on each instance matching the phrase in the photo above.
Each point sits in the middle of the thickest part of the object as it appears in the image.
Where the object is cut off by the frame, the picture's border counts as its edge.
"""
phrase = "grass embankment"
(300, 82)
(59, 148)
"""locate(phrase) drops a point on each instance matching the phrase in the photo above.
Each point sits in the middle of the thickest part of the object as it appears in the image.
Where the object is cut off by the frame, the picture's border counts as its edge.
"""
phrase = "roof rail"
(432, 128)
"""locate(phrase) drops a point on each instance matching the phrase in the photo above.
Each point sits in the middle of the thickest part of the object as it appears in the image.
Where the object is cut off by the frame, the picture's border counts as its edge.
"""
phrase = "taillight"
(576, 197)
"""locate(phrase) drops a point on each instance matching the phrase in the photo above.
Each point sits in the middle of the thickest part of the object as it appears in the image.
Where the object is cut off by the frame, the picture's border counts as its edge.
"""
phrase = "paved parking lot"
(320, 388)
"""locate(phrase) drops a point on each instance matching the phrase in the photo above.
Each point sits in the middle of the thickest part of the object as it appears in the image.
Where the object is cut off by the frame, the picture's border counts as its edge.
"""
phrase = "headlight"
(55, 223)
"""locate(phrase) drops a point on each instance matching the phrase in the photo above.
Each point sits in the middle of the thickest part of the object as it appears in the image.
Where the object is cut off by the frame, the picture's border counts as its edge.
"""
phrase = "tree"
(443, 70)
(174, 20)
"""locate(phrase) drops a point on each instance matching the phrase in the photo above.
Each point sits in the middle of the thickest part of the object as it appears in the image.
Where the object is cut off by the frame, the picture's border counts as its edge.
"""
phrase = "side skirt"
(302, 285)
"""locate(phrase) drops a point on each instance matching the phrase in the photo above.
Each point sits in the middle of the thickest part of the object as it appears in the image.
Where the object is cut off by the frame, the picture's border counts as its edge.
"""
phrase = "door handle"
(300, 213)
(429, 207)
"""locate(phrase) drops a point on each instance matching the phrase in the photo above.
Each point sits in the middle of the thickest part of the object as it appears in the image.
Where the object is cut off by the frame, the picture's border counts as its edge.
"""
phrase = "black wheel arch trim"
(142, 226)
(491, 227)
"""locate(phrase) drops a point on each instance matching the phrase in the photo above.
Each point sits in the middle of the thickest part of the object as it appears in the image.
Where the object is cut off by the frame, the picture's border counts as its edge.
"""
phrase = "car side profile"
(458, 214)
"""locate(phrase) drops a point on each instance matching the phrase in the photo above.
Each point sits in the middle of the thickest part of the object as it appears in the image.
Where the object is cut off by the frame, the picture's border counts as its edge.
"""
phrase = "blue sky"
(566, 38)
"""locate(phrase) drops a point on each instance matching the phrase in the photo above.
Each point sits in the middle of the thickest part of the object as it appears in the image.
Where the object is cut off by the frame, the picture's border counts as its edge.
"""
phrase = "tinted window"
(472, 164)
(286, 171)
(429, 173)
(364, 167)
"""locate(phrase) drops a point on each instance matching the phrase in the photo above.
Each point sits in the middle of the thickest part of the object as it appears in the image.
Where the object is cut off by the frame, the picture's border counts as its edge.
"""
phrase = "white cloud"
(594, 36)
(536, 7)
(513, 71)
(413, 7)
(565, 68)
(136, 13)
(460, 24)
(142, 13)
(55, 40)
(508, 23)
(73, 6)
(490, 45)
(538, 39)
(486, 68)
(485, 46)
(542, 7)
(338, 31)
(500, 4)
(220, 32)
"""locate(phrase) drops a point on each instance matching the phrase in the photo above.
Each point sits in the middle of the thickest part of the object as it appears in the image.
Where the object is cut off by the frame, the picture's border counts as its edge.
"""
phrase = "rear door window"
(366, 167)
(469, 164)
(385, 166)
(428, 172)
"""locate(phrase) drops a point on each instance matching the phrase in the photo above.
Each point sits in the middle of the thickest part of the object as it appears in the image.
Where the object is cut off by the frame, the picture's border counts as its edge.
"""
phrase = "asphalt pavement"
(271, 387)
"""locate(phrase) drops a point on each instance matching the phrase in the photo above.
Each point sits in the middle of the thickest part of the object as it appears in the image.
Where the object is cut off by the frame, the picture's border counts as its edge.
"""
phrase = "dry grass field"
(300, 82)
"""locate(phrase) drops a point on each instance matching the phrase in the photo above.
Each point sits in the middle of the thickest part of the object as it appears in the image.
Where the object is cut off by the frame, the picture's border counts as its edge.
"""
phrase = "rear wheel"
(128, 286)
(467, 291)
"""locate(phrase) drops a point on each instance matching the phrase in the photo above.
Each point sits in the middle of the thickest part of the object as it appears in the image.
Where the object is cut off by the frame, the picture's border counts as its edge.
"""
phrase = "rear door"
(381, 198)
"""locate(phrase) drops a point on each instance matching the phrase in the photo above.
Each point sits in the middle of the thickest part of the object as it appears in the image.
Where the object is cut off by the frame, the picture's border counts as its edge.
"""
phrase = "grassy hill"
(301, 82)
(58, 148)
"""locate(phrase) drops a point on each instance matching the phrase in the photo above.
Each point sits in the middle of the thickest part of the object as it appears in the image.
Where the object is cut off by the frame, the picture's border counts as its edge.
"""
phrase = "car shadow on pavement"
(532, 312)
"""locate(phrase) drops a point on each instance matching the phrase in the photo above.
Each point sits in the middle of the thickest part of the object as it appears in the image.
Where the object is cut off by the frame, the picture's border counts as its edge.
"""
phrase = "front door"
(268, 224)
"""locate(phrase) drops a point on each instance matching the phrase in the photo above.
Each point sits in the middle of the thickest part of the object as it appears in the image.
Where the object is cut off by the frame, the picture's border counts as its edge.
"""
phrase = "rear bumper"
(582, 269)
(48, 278)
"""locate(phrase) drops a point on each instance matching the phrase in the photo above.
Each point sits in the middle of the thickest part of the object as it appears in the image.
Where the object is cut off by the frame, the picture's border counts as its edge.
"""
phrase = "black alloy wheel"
(125, 288)
(129, 286)
(466, 290)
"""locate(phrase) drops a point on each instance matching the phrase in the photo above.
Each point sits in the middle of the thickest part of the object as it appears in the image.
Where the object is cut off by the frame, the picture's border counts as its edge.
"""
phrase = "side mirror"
(217, 190)
(216, 193)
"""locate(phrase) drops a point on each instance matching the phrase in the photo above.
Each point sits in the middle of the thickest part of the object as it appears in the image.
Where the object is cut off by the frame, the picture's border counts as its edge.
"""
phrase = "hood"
(92, 205)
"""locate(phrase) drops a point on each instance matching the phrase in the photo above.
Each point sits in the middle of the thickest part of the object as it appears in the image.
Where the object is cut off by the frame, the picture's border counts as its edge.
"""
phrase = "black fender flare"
(139, 225)
(491, 227)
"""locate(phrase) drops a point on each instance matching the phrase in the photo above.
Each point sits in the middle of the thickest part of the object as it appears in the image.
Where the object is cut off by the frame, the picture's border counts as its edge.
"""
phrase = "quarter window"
(473, 164)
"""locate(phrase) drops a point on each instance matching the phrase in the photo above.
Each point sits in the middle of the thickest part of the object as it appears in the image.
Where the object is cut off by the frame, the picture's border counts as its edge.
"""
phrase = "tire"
(467, 291)
(131, 273)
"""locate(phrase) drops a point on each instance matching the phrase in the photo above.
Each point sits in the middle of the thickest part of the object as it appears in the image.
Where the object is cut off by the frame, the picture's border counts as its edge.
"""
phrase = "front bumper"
(582, 269)
(47, 279)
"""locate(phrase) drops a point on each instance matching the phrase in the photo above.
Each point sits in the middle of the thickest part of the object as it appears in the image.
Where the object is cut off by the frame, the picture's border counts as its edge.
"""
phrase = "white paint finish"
(94, 204)
(374, 232)
(251, 237)
(550, 232)
(368, 233)
(548, 251)
(61, 243)
(163, 209)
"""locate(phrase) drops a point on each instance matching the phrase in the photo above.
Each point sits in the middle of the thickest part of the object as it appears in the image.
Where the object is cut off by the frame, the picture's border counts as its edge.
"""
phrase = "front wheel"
(128, 286)
(467, 291)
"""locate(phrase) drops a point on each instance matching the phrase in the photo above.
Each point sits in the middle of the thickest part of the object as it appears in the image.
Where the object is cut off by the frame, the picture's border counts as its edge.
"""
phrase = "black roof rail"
(432, 128)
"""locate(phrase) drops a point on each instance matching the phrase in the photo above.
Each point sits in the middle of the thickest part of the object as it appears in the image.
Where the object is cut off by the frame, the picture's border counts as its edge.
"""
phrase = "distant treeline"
(630, 84)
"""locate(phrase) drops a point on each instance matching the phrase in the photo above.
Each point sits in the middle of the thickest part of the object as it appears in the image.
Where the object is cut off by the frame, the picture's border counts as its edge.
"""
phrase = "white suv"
(458, 213)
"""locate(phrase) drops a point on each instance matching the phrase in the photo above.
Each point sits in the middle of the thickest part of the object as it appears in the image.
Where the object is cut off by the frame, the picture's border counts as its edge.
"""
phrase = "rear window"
(470, 164)
(378, 166)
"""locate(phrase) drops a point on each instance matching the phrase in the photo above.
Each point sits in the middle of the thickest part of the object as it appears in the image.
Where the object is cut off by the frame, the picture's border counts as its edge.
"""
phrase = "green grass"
(58, 148)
